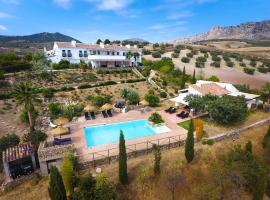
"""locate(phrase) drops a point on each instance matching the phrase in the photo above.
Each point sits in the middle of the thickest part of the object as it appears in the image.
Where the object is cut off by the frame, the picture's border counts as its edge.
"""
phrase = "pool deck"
(78, 139)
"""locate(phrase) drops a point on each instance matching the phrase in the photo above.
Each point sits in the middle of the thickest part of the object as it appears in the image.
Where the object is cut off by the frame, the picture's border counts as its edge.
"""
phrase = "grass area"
(184, 124)
(198, 174)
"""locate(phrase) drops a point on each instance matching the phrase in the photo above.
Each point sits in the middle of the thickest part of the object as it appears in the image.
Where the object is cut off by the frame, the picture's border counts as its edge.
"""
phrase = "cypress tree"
(157, 160)
(194, 77)
(56, 186)
(183, 79)
(189, 144)
(123, 177)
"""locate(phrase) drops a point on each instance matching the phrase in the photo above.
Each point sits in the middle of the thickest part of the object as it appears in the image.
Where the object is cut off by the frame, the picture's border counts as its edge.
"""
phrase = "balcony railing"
(69, 54)
(64, 55)
(85, 55)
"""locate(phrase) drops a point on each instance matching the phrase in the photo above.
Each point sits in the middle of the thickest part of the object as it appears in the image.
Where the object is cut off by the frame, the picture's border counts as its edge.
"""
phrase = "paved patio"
(86, 153)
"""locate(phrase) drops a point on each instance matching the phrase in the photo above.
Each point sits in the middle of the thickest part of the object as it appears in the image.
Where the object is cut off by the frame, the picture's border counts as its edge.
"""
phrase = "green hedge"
(263, 70)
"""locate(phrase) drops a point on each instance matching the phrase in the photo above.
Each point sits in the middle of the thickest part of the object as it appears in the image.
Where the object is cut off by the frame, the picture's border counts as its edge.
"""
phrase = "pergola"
(20, 157)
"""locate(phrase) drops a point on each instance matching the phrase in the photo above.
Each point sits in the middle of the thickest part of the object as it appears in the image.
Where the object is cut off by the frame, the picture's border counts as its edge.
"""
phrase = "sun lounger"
(181, 114)
(185, 115)
(104, 114)
(187, 107)
(172, 111)
(93, 116)
(63, 141)
(169, 109)
(109, 112)
(86, 115)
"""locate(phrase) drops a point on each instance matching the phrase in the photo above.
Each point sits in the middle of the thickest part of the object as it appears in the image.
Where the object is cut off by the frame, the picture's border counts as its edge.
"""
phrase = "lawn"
(184, 124)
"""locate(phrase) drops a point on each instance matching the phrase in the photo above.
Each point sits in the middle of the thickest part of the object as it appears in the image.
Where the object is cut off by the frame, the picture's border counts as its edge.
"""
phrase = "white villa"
(93, 54)
(202, 88)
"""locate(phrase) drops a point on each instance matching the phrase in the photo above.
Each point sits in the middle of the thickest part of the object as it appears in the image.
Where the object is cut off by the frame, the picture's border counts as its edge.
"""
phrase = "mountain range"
(244, 31)
(20, 44)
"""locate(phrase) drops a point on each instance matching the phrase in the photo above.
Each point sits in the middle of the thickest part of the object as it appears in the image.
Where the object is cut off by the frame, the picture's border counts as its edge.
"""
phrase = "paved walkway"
(78, 139)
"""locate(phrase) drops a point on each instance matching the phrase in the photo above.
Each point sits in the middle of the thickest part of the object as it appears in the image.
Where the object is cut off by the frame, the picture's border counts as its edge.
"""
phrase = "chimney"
(135, 46)
(73, 43)
(128, 46)
(101, 45)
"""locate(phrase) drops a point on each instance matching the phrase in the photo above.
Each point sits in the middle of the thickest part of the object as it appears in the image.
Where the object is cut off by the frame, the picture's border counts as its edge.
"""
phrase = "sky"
(152, 20)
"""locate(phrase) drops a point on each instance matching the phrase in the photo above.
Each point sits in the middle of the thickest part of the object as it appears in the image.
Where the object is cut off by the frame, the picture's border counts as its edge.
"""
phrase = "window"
(117, 53)
(85, 53)
(108, 53)
(124, 54)
(98, 52)
(113, 53)
(69, 53)
(94, 52)
(64, 53)
(80, 54)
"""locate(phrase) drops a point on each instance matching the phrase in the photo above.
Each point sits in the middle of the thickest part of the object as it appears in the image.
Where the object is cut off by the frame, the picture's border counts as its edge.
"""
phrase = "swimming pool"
(106, 134)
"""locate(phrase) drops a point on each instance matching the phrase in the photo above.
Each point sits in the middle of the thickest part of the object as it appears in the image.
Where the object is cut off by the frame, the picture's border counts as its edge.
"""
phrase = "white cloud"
(3, 28)
(4, 15)
(179, 15)
(113, 5)
(66, 4)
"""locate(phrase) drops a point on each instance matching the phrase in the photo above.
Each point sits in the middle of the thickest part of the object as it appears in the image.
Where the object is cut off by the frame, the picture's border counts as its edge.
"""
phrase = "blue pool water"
(106, 134)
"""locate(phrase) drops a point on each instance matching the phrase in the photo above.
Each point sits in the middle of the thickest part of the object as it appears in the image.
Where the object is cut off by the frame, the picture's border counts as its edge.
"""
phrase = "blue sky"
(153, 20)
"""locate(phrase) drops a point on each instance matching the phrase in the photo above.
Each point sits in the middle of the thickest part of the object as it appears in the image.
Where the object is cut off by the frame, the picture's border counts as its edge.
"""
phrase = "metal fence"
(111, 154)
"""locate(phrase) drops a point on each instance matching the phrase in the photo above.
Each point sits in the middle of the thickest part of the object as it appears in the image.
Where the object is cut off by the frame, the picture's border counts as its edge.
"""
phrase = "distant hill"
(245, 31)
(137, 40)
(33, 42)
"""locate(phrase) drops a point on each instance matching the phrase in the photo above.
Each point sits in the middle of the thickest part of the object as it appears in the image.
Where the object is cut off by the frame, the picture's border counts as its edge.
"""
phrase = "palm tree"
(129, 55)
(25, 94)
(83, 65)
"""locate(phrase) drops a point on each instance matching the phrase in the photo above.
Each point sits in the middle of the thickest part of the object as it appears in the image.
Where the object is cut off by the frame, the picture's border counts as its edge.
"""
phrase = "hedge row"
(248, 70)
(112, 71)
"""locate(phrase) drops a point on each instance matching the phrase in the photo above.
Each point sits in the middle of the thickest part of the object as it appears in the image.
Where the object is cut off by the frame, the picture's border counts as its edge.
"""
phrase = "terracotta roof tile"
(211, 89)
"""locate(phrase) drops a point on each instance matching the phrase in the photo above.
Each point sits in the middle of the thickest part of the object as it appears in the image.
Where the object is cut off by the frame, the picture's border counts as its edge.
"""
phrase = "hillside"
(245, 31)
(33, 42)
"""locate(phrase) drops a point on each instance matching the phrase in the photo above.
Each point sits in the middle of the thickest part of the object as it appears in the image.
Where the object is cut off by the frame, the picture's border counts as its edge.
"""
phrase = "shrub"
(48, 92)
(156, 55)
(243, 64)
(152, 100)
(201, 59)
(156, 118)
(200, 64)
(185, 60)
(262, 70)
(67, 173)
(215, 64)
(216, 58)
(214, 78)
(175, 55)
(208, 141)
(230, 64)
(248, 70)
(35, 137)
(248, 146)
(24, 116)
(133, 97)
(44, 75)
(163, 94)
(253, 63)
(190, 55)
(54, 109)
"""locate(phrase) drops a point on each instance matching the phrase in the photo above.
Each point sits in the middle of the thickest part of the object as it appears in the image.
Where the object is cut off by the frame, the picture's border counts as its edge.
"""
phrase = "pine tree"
(157, 160)
(123, 177)
(194, 77)
(189, 144)
(56, 186)
(183, 79)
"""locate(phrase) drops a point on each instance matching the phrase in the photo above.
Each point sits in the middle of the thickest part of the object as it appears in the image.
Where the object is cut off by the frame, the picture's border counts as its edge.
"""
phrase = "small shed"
(18, 161)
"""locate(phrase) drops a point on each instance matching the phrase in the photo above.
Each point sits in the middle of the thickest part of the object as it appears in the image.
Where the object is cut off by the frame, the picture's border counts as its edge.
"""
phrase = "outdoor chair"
(169, 109)
(181, 114)
(63, 141)
(93, 115)
(185, 115)
(109, 112)
(172, 111)
(86, 115)
(104, 114)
